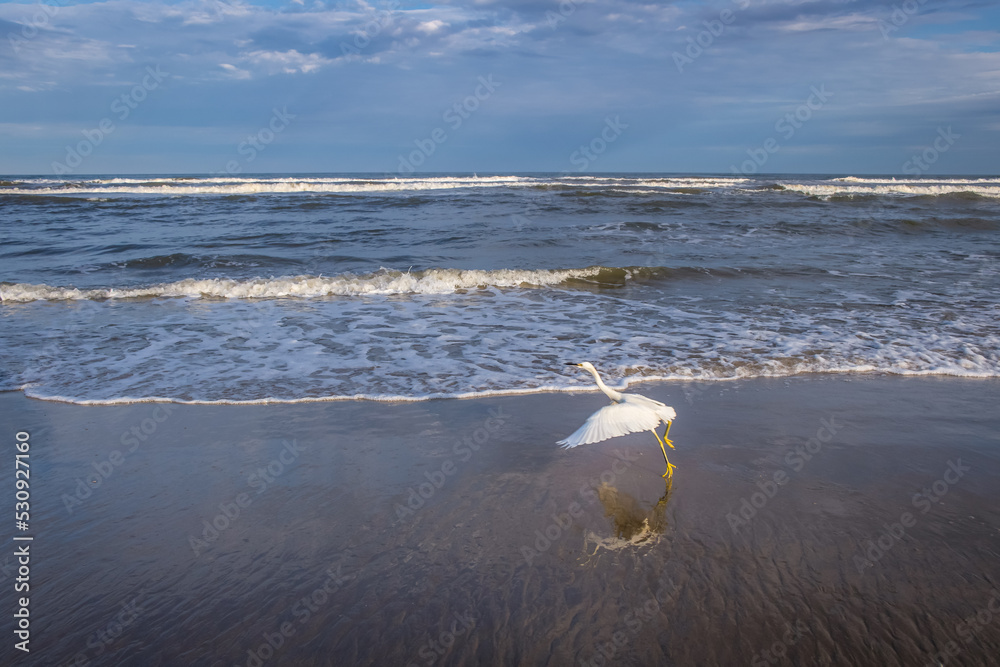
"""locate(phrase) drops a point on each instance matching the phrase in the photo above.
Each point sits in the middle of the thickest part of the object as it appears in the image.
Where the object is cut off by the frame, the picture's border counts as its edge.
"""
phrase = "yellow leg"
(667, 433)
(670, 466)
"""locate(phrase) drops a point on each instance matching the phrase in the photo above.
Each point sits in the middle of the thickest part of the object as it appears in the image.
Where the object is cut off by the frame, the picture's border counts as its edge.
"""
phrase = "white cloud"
(235, 72)
(214, 11)
(430, 27)
(288, 62)
(848, 22)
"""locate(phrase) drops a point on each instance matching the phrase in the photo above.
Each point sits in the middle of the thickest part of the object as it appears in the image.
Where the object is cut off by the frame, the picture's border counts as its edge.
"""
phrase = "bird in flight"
(628, 413)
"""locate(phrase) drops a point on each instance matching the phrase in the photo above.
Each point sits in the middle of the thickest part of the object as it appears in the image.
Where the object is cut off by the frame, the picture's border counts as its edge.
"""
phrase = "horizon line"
(475, 173)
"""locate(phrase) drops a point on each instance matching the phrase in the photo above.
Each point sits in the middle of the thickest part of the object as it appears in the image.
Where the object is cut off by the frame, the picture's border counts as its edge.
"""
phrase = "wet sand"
(817, 520)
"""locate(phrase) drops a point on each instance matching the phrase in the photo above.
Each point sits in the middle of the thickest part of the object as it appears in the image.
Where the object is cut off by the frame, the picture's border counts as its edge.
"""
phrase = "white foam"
(225, 185)
(343, 185)
(982, 188)
(895, 181)
(692, 182)
(384, 282)
(254, 186)
(493, 342)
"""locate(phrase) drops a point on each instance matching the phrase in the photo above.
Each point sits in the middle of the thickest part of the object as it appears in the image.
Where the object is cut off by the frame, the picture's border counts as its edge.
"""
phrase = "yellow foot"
(670, 443)
(670, 470)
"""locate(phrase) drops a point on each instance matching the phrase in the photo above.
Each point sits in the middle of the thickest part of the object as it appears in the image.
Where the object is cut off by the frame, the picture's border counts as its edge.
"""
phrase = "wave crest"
(382, 282)
(982, 188)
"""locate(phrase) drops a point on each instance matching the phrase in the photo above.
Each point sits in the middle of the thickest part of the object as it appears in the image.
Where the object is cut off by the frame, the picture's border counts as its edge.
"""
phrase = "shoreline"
(629, 383)
(359, 532)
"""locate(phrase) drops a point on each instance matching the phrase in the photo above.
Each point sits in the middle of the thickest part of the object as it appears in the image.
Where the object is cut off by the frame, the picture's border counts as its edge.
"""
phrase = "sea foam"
(384, 282)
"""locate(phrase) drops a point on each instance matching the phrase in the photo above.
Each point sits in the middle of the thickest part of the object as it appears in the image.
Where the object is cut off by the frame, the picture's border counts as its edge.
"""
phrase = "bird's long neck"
(608, 391)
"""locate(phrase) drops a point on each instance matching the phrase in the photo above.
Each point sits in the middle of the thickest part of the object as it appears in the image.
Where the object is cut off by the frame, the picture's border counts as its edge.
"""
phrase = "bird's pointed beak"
(570, 363)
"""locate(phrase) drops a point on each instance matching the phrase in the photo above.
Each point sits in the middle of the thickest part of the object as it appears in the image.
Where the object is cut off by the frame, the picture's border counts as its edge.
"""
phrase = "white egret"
(628, 413)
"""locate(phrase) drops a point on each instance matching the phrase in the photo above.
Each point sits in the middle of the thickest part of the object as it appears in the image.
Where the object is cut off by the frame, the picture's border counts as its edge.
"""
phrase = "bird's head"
(585, 365)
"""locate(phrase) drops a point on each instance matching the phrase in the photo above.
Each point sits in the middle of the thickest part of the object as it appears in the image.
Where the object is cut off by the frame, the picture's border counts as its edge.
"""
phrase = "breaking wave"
(382, 282)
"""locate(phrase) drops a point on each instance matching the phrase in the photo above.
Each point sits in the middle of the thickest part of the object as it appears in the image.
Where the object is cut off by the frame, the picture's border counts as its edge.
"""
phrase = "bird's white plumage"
(612, 421)
(630, 413)
(663, 411)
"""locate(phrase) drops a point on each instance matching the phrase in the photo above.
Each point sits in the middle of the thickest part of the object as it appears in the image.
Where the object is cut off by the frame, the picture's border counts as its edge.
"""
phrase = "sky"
(590, 86)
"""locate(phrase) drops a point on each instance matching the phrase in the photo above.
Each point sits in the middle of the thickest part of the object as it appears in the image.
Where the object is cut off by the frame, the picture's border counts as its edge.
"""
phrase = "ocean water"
(324, 287)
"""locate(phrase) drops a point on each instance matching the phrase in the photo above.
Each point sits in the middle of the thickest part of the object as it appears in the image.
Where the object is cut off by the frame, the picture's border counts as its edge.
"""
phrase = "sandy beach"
(814, 520)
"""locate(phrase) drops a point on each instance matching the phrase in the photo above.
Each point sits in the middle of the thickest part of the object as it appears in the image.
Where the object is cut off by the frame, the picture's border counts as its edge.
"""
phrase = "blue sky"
(202, 86)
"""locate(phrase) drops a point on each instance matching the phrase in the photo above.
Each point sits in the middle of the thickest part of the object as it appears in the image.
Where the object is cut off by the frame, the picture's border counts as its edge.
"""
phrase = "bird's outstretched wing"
(663, 411)
(612, 421)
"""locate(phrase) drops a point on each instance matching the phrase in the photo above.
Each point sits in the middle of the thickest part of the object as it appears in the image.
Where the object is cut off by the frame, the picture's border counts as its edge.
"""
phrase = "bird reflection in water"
(633, 524)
